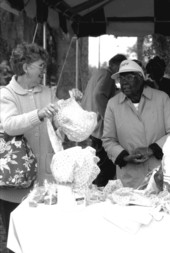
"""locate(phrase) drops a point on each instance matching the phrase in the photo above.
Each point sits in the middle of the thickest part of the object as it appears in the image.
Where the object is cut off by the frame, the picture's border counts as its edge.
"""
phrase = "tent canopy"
(98, 17)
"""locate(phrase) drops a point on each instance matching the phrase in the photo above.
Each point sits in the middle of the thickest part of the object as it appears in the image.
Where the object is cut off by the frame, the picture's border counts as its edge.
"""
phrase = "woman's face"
(131, 84)
(35, 72)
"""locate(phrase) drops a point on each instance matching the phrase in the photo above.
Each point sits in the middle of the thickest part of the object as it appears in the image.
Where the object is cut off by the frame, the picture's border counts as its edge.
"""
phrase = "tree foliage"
(149, 46)
(157, 44)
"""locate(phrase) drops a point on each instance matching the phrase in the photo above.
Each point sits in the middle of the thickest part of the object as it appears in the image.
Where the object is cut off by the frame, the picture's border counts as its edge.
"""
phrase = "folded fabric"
(130, 196)
(128, 218)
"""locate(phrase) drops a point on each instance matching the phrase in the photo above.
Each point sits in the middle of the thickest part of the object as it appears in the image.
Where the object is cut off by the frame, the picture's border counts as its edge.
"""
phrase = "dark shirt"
(163, 84)
(100, 88)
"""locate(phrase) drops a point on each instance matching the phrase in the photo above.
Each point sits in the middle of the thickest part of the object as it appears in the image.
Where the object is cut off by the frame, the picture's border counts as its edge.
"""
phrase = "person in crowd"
(155, 69)
(28, 63)
(136, 125)
(99, 90)
(140, 64)
(5, 73)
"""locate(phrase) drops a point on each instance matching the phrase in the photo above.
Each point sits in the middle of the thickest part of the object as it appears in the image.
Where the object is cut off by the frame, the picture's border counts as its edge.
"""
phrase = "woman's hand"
(139, 155)
(135, 158)
(76, 93)
(47, 112)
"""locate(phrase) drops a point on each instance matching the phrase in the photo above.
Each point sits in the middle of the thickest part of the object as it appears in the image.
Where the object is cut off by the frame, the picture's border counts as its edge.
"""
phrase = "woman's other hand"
(139, 155)
(135, 158)
(47, 112)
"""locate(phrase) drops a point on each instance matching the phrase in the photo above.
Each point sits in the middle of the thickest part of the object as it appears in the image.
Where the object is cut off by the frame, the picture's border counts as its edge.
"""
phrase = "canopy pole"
(35, 33)
(77, 68)
(45, 47)
(99, 53)
(77, 63)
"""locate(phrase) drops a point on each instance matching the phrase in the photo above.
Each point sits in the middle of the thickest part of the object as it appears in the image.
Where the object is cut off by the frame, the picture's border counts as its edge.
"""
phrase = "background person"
(155, 69)
(99, 90)
(136, 125)
(5, 73)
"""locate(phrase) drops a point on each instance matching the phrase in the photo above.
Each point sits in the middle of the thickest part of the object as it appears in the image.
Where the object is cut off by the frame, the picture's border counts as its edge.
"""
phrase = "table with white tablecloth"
(94, 228)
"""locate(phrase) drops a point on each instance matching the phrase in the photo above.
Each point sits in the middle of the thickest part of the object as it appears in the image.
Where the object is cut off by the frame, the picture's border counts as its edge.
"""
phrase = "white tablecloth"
(49, 229)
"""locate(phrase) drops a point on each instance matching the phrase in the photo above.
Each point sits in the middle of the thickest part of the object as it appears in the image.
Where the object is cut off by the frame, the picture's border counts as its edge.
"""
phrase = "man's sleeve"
(104, 90)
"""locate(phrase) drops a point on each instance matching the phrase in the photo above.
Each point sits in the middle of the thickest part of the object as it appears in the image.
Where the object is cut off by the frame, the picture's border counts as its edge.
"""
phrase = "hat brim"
(116, 75)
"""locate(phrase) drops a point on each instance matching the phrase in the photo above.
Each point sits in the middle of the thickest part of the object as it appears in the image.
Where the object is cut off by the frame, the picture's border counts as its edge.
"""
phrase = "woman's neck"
(135, 98)
(23, 82)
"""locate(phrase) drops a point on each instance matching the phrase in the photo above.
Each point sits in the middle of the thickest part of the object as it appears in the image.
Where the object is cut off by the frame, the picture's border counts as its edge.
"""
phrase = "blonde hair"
(26, 53)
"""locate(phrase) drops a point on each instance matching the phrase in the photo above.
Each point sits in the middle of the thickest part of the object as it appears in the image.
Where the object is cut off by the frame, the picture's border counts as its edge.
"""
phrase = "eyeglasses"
(43, 66)
(127, 78)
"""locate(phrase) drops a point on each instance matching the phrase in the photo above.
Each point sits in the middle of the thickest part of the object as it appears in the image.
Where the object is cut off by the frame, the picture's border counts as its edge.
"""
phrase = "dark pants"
(5, 209)
(107, 167)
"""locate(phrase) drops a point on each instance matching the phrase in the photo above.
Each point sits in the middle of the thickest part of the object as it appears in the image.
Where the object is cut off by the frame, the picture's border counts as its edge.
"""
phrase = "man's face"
(114, 68)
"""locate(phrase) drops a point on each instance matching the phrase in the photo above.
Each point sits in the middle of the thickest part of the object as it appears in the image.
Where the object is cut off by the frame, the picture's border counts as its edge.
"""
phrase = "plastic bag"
(46, 194)
(75, 122)
(153, 182)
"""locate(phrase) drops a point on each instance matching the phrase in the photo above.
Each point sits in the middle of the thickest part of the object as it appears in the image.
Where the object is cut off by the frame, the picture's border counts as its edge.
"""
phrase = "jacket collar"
(14, 85)
(147, 92)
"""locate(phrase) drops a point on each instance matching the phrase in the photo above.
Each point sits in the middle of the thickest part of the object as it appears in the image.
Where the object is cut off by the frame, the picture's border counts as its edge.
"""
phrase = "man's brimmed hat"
(128, 66)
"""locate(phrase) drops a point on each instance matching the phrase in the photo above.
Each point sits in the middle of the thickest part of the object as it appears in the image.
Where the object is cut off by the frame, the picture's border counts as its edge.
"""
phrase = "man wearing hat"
(136, 125)
(100, 88)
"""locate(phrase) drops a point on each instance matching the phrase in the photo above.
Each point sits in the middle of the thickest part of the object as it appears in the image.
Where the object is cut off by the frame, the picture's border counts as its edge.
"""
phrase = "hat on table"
(128, 66)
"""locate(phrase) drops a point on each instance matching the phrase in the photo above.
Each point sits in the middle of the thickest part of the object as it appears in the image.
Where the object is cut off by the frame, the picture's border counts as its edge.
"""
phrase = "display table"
(49, 229)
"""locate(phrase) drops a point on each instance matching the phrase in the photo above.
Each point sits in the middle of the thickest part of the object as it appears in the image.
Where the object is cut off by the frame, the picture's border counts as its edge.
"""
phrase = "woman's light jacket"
(126, 128)
(19, 116)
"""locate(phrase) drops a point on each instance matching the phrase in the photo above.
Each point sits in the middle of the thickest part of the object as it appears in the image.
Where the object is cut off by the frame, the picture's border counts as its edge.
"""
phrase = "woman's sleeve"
(166, 111)
(109, 138)
(12, 121)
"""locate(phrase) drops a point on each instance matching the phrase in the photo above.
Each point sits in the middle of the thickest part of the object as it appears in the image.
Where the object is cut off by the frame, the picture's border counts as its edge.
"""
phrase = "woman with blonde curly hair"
(28, 63)
(26, 113)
